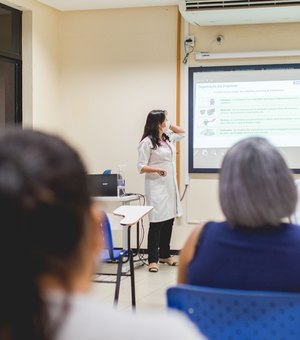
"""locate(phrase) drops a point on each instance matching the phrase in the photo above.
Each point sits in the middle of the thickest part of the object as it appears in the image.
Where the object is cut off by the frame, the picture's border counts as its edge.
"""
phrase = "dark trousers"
(159, 237)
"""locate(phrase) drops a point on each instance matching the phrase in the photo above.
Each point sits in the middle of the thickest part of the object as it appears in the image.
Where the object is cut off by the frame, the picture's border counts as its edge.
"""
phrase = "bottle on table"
(121, 182)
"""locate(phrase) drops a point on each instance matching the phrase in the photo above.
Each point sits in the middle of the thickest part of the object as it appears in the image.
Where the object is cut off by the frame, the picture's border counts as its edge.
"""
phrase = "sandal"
(153, 267)
(169, 261)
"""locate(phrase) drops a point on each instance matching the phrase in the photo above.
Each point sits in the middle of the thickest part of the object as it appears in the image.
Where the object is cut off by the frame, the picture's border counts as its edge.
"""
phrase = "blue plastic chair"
(239, 315)
(115, 255)
(109, 253)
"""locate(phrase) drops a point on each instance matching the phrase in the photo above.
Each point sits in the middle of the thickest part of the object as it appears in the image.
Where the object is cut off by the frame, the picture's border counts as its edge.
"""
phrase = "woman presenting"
(156, 158)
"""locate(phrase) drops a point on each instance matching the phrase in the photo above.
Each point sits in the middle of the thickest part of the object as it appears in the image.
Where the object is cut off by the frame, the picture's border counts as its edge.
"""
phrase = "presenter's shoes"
(153, 267)
(169, 261)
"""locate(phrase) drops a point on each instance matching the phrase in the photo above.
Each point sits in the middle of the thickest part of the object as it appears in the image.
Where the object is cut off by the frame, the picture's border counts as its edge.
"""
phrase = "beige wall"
(246, 38)
(116, 65)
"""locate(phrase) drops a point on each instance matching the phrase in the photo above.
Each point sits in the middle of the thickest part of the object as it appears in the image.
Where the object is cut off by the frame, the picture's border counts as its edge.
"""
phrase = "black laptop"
(103, 185)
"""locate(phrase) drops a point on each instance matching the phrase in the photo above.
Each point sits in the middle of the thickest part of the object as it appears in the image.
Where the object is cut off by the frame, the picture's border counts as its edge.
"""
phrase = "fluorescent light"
(254, 54)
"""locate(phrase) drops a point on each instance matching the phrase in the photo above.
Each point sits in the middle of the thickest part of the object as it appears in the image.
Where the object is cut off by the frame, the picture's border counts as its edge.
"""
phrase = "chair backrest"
(106, 234)
(239, 315)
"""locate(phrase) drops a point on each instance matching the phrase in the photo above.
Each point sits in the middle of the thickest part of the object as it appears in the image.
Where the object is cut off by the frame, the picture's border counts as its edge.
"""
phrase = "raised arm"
(176, 129)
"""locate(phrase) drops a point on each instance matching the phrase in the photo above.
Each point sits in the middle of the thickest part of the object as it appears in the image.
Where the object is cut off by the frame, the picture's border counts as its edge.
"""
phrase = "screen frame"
(197, 69)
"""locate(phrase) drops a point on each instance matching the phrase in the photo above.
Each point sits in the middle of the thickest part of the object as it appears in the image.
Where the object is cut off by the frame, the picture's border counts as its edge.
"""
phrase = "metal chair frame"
(105, 230)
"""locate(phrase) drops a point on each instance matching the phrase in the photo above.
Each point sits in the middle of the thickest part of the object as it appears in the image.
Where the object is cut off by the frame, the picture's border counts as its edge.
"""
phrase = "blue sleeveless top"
(265, 258)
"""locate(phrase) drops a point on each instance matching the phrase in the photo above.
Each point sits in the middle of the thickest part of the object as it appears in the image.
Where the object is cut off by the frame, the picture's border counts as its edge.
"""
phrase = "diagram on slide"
(227, 112)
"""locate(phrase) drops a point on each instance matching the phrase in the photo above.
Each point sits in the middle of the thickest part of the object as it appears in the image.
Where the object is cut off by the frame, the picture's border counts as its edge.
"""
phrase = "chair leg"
(132, 280)
(118, 280)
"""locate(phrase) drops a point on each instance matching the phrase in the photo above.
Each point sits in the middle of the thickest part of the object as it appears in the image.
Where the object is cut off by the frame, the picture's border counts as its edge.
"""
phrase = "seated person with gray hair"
(253, 249)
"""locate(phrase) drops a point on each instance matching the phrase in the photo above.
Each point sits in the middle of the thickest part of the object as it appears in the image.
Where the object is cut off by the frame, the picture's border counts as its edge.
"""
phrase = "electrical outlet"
(190, 40)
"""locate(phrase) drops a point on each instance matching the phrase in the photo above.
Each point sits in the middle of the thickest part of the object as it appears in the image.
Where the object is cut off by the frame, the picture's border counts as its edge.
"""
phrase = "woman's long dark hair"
(44, 203)
(151, 129)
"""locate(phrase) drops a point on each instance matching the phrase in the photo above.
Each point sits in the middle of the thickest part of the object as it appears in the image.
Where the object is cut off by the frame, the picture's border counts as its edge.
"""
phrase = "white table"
(132, 215)
(123, 199)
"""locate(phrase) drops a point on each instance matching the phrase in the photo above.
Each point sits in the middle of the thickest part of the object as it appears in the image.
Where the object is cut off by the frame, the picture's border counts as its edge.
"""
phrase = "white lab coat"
(161, 192)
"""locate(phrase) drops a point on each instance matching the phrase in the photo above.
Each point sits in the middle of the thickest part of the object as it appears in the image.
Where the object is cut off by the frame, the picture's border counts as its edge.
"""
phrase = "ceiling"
(71, 5)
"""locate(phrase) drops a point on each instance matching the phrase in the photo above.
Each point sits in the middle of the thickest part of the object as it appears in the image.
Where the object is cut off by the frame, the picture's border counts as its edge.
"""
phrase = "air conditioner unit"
(239, 12)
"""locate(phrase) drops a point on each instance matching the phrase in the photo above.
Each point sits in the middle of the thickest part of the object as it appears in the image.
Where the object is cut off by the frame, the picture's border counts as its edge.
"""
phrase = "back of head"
(43, 206)
(151, 129)
(256, 187)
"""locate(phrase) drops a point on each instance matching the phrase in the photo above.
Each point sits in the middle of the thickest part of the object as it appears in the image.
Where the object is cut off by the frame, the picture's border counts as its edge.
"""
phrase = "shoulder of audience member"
(92, 319)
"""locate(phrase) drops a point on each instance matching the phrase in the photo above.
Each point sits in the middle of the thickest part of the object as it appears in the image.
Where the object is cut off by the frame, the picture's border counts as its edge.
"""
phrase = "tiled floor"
(150, 289)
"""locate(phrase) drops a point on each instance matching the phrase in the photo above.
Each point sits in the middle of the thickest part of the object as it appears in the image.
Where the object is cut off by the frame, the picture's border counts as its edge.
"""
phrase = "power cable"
(186, 50)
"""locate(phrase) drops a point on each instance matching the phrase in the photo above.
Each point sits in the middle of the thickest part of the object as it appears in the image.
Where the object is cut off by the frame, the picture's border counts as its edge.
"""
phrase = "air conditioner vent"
(239, 12)
(196, 5)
